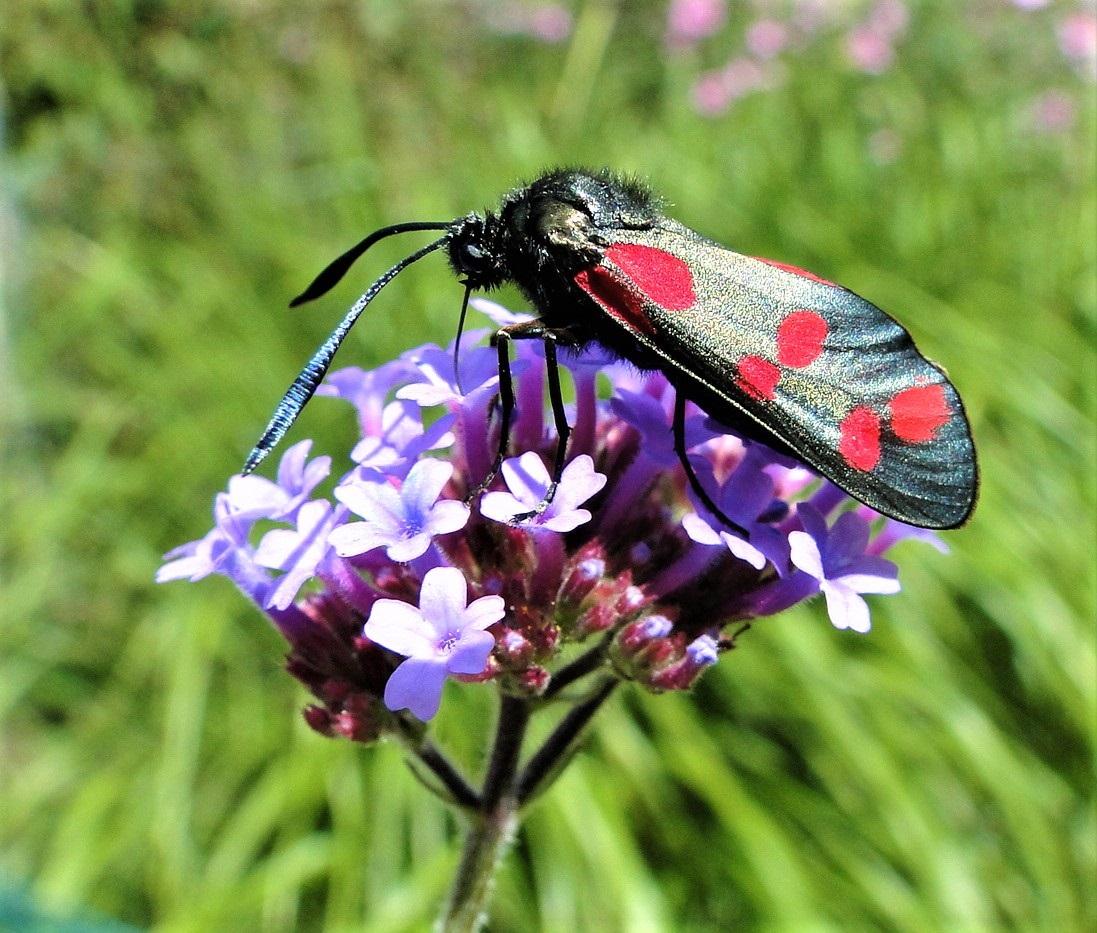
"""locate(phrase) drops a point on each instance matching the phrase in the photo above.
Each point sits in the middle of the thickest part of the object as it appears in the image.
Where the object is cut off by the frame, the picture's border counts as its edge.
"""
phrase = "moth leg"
(501, 341)
(527, 330)
(560, 420)
(694, 482)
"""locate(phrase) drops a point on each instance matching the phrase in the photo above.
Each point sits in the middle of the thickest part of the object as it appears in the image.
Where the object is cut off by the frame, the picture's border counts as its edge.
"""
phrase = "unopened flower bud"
(637, 635)
(631, 602)
(318, 719)
(597, 618)
(613, 602)
(701, 653)
(533, 680)
(579, 583)
(359, 721)
(644, 646)
(513, 649)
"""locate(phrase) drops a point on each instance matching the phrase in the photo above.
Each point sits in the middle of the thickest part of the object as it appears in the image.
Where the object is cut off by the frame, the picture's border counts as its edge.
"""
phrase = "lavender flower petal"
(299, 552)
(482, 612)
(356, 538)
(806, 555)
(470, 654)
(367, 391)
(442, 600)
(499, 316)
(845, 608)
(835, 558)
(416, 685)
(400, 627)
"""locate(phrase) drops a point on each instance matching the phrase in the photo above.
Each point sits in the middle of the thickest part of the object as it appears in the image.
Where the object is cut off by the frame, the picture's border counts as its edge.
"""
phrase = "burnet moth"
(775, 353)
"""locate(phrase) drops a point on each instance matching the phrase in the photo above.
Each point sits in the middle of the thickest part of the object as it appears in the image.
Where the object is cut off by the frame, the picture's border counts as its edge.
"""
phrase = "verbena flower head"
(391, 586)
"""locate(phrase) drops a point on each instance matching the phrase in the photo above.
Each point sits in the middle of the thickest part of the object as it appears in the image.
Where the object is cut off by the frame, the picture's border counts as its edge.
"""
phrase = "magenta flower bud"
(612, 603)
(359, 720)
(533, 680)
(514, 650)
(547, 641)
(644, 646)
(631, 602)
(700, 653)
(639, 634)
(318, 719)
(579, 583)
(657, 654)
(597, 618)
(334, 692)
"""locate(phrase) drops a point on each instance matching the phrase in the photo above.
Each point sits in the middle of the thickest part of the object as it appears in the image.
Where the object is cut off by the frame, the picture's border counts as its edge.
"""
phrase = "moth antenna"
(302, 388)
(457, 341)
(337, 268)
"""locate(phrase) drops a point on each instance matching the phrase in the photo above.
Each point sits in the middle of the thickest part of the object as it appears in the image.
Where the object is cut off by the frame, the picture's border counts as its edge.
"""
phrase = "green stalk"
(492, 828)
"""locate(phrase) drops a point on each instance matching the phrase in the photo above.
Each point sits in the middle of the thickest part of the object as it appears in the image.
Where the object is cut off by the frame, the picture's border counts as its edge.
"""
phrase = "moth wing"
(811, 364)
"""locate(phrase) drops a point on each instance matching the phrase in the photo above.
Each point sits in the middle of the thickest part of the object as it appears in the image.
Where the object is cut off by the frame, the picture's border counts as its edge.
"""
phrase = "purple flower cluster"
(392, 584)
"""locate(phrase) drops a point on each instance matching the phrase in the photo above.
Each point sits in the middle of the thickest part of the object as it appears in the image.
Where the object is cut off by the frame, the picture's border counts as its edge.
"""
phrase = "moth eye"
(472, 257)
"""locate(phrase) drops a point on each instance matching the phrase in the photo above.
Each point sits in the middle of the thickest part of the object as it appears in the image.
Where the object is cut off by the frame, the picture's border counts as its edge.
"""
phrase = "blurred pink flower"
(1030, 4)
(1053, 112)
(1078, 37)
(716, 90)
(870, 46)
(767, 37)
(549, 22)
(868, 50)
(689, 21)
(889, 18)
(710, 94)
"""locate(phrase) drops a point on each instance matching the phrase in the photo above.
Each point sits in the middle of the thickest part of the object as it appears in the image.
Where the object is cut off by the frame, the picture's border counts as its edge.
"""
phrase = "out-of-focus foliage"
(173, 172)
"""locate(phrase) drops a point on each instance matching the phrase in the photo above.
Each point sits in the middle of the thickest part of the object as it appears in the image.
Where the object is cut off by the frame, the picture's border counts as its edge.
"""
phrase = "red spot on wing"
(800, 338)
(795, 270)
(663, 278)
(615, 297)
(859, 442)
(757, 377)
(918, 413)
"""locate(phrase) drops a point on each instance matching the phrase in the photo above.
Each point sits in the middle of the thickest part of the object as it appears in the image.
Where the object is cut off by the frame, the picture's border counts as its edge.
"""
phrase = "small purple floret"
(745, 498)
(298, 552)
(528, 480)
(404, 520)
(253, 496)
(443, 635)
(836, 559)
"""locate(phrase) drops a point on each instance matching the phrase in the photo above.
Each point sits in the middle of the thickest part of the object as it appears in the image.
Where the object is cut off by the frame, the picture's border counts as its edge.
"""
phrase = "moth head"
(476, 251)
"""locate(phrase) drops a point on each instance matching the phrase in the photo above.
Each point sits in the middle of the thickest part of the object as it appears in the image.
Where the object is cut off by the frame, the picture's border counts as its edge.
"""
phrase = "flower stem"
(456, 788)
(485, 844)
(585, 664)
(550, 758)
(493, 826)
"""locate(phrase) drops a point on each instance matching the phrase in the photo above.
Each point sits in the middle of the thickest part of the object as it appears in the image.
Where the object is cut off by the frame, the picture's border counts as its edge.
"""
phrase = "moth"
(777, 354)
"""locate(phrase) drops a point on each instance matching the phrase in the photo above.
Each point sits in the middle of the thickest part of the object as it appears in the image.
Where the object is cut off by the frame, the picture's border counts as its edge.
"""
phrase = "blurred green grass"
(174, 172)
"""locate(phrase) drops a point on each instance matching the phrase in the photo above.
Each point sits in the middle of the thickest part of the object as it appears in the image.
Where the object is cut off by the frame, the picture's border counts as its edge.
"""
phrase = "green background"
(173, 172)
